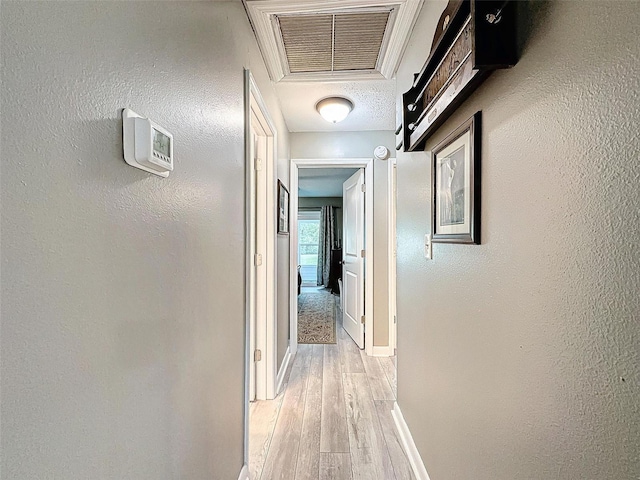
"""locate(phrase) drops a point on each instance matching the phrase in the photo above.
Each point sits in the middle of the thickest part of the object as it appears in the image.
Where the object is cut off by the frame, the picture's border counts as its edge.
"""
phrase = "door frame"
(367, 165)
(392, 254)
(265, 331)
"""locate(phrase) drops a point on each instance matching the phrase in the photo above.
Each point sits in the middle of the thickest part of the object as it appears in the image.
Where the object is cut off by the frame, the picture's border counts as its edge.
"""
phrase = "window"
(308, 238)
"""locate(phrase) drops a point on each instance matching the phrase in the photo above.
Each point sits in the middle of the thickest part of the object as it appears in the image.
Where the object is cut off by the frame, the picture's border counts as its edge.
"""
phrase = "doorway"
(303, 165)
(260, 252)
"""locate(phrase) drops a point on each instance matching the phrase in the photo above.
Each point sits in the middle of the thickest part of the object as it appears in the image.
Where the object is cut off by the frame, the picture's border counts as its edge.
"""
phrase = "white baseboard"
(409, 446)
(283, 370)
(244, 473)
(382, 351)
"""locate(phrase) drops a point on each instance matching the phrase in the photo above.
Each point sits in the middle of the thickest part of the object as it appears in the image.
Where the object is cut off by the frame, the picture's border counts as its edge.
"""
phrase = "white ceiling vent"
(358, 40)
(333, 43)
(308, 42)
(316, 40)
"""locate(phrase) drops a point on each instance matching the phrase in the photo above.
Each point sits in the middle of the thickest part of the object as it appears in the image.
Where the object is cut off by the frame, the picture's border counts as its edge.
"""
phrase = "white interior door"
(394, 258)
(353, 257)
(258, 307)
(252, 279)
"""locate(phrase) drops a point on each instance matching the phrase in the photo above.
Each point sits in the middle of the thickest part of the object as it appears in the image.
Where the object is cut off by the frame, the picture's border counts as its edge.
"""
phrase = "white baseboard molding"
(283, 370)
(244, 473)
(382, 351)
(409, 446)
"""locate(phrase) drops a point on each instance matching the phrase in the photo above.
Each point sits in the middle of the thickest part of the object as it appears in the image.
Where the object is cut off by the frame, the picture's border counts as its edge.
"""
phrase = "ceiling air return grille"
(308, 42)
(333, 42)
(358, 39)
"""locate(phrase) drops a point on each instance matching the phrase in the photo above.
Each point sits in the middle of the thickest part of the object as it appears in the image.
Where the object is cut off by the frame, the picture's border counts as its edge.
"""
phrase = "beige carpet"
(316, 317)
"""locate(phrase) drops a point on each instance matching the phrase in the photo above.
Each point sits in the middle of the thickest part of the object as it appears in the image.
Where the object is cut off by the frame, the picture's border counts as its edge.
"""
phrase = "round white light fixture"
(334, 109)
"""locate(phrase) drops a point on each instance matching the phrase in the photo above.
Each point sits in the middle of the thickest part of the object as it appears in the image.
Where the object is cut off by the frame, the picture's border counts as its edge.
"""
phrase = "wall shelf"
(473, 38)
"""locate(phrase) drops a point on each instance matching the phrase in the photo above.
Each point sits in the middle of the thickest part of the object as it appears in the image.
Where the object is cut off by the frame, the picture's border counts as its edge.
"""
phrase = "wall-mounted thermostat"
(146, 145)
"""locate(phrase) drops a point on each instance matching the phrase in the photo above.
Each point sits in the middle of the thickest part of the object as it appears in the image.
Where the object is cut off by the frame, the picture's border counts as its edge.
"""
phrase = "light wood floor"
(331, 421)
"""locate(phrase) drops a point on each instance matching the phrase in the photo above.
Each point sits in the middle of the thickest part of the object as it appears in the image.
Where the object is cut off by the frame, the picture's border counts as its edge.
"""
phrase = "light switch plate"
(428, 247)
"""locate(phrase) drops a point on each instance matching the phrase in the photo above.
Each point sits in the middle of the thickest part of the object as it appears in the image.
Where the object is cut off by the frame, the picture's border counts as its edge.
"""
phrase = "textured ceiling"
(374, 105)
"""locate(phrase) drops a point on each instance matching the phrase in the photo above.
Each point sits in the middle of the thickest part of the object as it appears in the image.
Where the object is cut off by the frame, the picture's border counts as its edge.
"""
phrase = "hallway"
(331, 421)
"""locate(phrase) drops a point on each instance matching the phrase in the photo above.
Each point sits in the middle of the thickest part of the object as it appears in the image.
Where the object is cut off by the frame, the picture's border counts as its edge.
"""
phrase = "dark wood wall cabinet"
(473, 38)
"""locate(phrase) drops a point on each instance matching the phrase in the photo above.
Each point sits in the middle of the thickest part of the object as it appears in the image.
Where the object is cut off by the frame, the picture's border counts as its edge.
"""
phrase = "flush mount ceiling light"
(334, 109)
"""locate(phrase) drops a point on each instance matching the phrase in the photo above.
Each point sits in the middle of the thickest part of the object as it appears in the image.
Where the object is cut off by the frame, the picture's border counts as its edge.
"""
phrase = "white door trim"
(265, 286)
(296, 164)
(266, 330)
(391, 222)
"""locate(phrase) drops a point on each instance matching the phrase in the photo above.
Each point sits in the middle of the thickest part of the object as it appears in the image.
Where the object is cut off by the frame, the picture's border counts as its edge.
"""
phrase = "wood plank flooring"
(332, 421)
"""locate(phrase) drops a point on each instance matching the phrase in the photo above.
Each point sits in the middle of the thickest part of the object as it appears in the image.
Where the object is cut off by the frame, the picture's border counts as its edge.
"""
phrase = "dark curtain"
(326, 242)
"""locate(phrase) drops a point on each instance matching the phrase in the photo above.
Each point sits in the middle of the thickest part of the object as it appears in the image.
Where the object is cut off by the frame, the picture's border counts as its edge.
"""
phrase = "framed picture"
(456, 185)
(283, 209)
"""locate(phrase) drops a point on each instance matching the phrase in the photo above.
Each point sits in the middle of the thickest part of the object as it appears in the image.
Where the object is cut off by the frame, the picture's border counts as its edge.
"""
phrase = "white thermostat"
(146, 145)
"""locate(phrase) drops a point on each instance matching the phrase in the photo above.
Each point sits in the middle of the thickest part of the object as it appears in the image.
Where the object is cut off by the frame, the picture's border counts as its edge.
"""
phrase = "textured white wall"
(518, 358)
(123, 293)
(361, 145)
